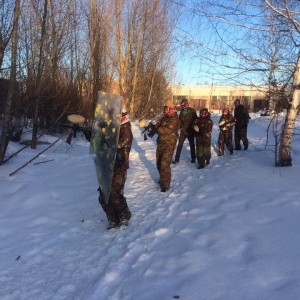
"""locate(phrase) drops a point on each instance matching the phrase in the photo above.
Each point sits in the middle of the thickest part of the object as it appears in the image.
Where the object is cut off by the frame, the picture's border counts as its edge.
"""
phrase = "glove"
(196, 128)
(222, 123)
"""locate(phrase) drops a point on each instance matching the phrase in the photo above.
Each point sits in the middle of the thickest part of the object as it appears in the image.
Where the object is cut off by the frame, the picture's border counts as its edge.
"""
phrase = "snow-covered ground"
(229, 231)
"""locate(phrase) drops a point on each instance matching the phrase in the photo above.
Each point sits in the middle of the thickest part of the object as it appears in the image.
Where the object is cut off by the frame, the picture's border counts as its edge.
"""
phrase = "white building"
(219, 97)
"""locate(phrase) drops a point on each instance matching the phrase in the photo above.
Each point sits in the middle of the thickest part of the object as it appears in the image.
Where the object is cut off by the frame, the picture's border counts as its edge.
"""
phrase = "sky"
(228, 231)
(232, 42)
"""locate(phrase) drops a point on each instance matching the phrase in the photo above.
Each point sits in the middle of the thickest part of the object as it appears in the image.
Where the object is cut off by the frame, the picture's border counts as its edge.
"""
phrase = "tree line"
(55, 56)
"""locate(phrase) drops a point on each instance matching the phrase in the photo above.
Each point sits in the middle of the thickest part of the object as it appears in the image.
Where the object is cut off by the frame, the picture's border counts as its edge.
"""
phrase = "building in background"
(219, 97)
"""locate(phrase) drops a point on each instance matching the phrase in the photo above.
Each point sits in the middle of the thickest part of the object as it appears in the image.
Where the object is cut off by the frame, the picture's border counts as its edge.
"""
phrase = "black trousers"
(191, 139)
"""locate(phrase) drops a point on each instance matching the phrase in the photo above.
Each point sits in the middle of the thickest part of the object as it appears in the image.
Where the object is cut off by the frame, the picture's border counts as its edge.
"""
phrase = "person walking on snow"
(203, 127)
(240, 130)
(167, 129)
(187, 116)
(226, 123)
(116, 209)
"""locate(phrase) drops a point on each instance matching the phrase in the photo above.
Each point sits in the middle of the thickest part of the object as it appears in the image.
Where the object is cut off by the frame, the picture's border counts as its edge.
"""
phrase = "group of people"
(200, 128)
(192, 127)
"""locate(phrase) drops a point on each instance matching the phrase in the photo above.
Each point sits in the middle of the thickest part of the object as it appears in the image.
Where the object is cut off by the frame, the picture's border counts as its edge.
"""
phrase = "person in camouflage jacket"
(167, 129)
(203, 127)
(116, 209)
(226, 123)
(186, 117)
(242, 117)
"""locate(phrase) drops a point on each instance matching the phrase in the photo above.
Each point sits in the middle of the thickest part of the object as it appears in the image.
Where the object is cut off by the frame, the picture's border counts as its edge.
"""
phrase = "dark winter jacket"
(226, 123)
(204, 126)
(167, 129)
(186, 120)
(242, 116)
(124, 146)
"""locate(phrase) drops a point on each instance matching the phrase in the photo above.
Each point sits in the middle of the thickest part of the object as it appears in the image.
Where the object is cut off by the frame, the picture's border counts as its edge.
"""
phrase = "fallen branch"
(7, 159)
(36, 156)
(43, 162)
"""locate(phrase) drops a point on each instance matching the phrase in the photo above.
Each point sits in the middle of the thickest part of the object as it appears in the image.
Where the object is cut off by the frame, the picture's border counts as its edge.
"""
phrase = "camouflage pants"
(240, 134)
(164, 153)
(225, 137)
(203, 153)
(117, 209)
(182, 138)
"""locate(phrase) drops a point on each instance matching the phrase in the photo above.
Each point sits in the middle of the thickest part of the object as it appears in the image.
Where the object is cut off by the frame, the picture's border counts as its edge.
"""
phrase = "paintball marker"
(151, 129)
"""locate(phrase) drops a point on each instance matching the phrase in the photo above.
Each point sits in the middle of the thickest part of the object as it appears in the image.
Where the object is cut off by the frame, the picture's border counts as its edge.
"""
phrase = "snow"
(229, 231)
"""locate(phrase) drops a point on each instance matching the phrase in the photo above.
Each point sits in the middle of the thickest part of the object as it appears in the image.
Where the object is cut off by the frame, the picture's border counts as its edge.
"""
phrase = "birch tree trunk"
(6, 130)
(285, 159)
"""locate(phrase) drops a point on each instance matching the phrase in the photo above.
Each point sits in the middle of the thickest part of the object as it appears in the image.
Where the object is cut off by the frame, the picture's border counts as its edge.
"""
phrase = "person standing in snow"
(203, 127)
(240, 130)
(187, 116)
(116, 209)
(167, 129)
(226, 123)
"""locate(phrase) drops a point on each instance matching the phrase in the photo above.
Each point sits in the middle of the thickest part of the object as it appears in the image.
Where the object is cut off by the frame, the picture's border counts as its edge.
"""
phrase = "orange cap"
(170, 105)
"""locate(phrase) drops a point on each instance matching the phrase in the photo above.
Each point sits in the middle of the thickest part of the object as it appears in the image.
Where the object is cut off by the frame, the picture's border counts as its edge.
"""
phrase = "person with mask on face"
(116, 209)
(167, 130)
(226, 123)
(187, 116)
(203, 127)
(240, 130)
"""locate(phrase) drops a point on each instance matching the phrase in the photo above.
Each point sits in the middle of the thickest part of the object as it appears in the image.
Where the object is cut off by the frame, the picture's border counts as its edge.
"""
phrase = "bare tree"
(6, 26)
(39, 77)
(6, 127)
(236, 49)
(69, 50)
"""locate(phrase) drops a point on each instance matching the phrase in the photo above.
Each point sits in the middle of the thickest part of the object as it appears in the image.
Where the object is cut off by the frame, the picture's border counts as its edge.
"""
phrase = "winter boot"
(112, 225)
(124, 223)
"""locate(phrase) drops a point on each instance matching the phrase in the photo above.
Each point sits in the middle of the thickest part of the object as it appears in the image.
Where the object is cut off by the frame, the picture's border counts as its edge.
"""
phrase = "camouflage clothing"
(186, 118)
(117, 210)
(226, 124)
(203, 131)
(240, 130)
(166, 142)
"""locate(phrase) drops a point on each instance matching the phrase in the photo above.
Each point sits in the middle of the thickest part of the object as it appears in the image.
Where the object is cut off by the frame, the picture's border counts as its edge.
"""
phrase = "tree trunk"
(39, 80)
(6, 130)
(285, 159)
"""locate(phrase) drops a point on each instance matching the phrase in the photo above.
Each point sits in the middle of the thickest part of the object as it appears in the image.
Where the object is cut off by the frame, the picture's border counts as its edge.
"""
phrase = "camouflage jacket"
(241, 115)
(186, 120)
(124, 146)
(205, 126)
(167, 129)
(226, 123)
